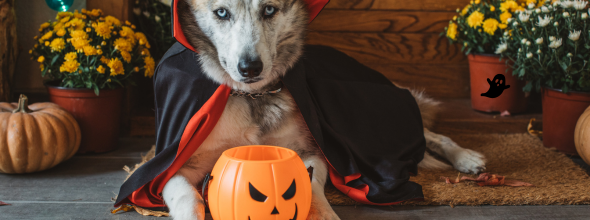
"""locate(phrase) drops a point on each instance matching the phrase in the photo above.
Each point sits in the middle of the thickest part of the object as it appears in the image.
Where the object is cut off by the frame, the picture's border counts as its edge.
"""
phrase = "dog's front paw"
(188, 208)
(321, 212)
(468, 161)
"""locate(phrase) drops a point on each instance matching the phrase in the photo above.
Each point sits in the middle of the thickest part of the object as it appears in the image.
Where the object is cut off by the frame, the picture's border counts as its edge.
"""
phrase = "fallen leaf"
(505, 113)
(124, 208)
(147, 212)
(3, 203)
(449, 181)
(532, 132)
(486, 179)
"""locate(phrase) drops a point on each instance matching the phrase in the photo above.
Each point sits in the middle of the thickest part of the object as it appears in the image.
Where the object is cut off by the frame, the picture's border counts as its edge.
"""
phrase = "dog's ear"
(191, 29)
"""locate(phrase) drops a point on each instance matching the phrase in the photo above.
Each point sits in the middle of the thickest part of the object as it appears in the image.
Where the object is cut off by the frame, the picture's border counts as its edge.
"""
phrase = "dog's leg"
(183, 200)
(464, 160)
(180, 194)
(320, 207)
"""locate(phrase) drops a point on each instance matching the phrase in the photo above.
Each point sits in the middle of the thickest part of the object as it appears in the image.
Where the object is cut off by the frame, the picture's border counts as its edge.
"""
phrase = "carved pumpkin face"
(259, 183)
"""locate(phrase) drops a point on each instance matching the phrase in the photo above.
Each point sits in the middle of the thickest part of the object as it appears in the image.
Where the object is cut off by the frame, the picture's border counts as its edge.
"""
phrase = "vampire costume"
(369, 130)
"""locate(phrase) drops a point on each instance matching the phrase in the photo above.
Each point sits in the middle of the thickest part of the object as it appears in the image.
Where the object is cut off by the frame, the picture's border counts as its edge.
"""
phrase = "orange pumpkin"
(35, 137)
(259, 183)
(582, 136)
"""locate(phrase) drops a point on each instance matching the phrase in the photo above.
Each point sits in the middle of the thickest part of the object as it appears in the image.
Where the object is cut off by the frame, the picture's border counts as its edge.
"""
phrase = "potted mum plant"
(88, 59)
(550, 48)
(479, 27)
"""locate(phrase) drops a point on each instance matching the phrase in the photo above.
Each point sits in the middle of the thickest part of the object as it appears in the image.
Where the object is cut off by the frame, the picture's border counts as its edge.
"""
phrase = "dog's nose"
(250, 68)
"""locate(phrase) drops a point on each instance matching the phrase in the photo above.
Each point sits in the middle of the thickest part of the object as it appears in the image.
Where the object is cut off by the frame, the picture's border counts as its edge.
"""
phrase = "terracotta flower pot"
(484, 67)
(560, 115)
(98, 116)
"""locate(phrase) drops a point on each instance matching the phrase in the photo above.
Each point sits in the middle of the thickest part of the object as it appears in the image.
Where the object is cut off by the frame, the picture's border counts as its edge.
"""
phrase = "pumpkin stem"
(23, 105)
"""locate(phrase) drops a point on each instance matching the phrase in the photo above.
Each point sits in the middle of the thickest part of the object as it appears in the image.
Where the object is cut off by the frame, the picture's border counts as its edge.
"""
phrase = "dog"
(249, 45)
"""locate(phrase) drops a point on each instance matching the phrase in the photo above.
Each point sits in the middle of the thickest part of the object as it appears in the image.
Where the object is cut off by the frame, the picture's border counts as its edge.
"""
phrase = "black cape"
(369, 130)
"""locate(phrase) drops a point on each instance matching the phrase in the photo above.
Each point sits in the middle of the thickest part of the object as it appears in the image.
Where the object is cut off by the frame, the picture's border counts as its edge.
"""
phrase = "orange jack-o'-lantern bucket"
(259, 183)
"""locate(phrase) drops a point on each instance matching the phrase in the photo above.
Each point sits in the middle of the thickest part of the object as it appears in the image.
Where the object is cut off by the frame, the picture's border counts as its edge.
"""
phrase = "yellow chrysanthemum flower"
(504, 17)
(475, 19)
(104, 60)
(79, 39)
(509, 5)
(93, 13)
(89, 50)
(64, 20)
(69, 66)
(71, 56)
(46, 36)
(58, 26)
(128, 34)
(112, 21)
(79, 34)
(477, 1)
(100, 69)
(99, 52)
(465, 10)
(80, 16)
(116, 67)
(492, 8)
(64, 14)
(490, 26)
(502, 26)
(126, 56)
(136, 69)
(43, 26)
(46, 43)
(42, 67)
(149, 66)
(452, 31)
(77, 24)
(104, 30)
(531, 1)
(58, 44)
(41, 59)
(142, 39)
(60, 32)
(123, 45)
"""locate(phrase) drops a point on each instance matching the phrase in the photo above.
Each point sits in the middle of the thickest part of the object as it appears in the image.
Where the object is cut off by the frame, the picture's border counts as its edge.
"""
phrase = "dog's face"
(245, 44)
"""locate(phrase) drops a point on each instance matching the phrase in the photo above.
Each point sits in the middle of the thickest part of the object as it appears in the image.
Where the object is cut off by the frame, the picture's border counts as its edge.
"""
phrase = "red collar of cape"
(188, 106)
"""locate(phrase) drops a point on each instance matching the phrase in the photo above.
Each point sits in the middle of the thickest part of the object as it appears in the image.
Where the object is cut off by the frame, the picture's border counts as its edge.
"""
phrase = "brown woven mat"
(558, 180)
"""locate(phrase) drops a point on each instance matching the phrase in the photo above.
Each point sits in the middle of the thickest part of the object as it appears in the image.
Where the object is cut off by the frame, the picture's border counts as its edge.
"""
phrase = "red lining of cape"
(195, 132)
(359, 193)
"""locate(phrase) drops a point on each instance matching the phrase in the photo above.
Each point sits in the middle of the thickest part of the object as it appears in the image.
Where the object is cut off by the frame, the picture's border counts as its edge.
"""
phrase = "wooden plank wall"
(399, 38)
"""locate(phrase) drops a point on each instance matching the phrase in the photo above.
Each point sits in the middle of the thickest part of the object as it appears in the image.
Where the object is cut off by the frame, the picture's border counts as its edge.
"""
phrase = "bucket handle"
(208, 178)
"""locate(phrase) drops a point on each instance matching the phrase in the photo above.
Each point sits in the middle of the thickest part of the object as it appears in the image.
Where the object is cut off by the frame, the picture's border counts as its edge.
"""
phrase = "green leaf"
(522, 72)
(95, 87)
(44, 71)
(564, 89)
(54, 59)
(527, 87)
(69, 84)
(563, 66)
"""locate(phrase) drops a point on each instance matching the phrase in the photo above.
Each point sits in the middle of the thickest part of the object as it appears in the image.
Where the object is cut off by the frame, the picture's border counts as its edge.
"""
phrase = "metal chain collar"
(255, 95)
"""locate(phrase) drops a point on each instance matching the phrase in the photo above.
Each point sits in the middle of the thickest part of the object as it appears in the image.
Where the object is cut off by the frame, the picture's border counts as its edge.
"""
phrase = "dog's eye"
(269, 11)
(222, 13)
